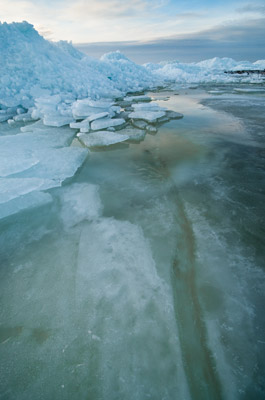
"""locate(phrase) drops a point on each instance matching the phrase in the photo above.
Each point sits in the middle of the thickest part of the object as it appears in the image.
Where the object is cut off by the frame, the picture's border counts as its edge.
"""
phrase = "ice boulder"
(87, 107)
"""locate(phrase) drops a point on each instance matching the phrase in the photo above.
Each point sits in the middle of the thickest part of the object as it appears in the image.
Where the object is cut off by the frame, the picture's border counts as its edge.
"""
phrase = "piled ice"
(212, 70)
(64, 90)
(32, 67)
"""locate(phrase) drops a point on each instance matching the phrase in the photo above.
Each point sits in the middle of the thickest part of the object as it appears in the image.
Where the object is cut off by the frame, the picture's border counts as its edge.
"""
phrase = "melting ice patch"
(80, 202)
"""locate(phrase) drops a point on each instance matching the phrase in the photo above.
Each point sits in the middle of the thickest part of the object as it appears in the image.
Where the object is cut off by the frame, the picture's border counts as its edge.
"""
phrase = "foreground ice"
(36, 160)
(115, 262)
(25, 202)
(101, 138)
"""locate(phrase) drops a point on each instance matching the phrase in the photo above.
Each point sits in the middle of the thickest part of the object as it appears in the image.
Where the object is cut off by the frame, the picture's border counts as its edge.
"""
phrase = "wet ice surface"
(143, 276)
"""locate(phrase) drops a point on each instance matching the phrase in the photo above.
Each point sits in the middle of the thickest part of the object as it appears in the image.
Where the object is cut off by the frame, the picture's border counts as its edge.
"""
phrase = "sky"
(149, 30)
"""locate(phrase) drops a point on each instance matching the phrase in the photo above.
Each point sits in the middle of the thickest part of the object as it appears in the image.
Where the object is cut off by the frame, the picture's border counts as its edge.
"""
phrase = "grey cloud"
(244, 41)
(250, 8)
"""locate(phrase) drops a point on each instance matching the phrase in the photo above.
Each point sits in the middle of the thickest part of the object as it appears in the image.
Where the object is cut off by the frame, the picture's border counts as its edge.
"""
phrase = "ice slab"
(24, 117)
(249, 90)
(24, 202)
(11, 163)
(139, 124)
(148, 107)
(11, 188)
(30, 141)
(57, 120)
(80, 202)
(101, 138)
(174, 115)
(149, 116)
(87, 107)
(56, 164)
(78, 125)
(135, 135)
(93, 117)
(137, 98)
(106, 123)
(151, 129)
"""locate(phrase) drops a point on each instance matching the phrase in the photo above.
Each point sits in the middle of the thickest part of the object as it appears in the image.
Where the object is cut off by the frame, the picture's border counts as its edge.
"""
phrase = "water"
(156, 292)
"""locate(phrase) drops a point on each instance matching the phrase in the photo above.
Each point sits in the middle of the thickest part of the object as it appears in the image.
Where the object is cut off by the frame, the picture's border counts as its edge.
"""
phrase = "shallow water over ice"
(144, 278)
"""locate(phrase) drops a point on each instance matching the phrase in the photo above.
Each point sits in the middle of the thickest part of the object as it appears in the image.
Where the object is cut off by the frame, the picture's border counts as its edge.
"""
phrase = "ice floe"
(106, 123)
(24, 202)
(101, 138)
(149, 116)
(134, 135)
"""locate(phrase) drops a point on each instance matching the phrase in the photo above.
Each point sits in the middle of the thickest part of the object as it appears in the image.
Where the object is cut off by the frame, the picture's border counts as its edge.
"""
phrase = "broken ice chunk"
(79, 125)
(93, 117)
(106, 123)
(80, 202)
(27, 201)
(101, 138)
(57, 120)
(87, 107)
(137, 98)
(174, 115)
(148, 107)
(11, 188)
(150, 116)
(151, 129)
(7, 114)
(57, 164)
(135, 135)
(12, 163)
(139, 124)
(25, 117)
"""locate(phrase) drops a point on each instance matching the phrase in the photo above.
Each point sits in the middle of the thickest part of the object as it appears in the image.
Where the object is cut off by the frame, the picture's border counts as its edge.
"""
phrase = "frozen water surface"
(142, 276)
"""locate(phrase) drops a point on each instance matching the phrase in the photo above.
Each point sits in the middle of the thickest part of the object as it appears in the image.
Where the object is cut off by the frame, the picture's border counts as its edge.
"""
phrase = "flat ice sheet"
(101, 138)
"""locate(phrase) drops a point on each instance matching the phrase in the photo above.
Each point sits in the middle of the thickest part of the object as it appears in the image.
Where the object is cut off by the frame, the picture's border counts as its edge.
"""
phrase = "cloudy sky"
(149, 30)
